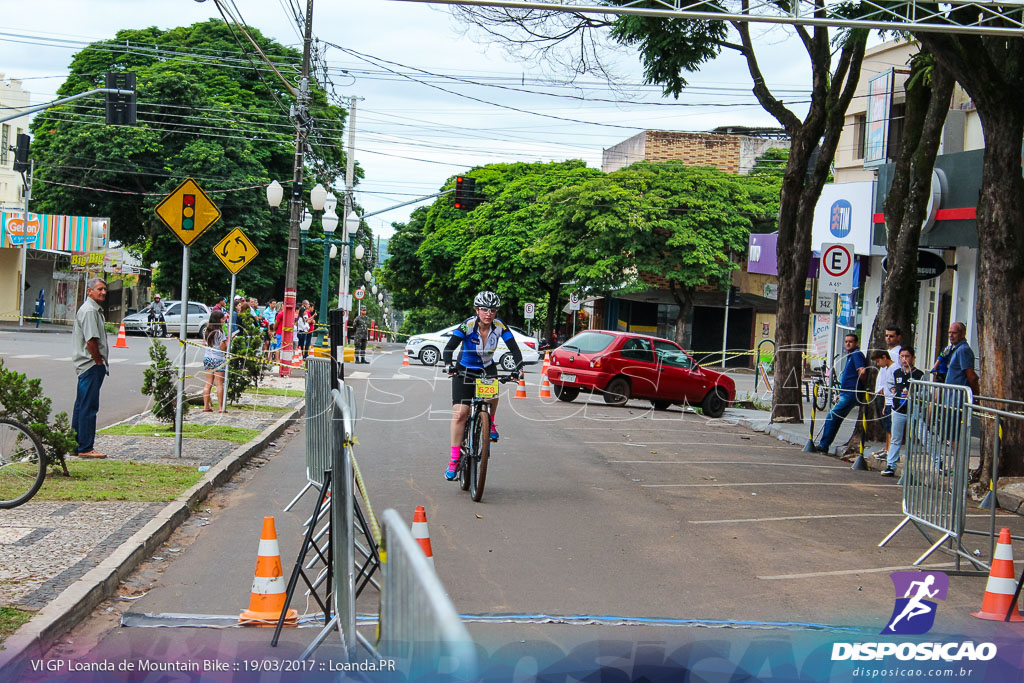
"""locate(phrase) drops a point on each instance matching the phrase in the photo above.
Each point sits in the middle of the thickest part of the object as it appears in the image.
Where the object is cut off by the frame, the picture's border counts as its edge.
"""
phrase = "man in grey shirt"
(89, 338)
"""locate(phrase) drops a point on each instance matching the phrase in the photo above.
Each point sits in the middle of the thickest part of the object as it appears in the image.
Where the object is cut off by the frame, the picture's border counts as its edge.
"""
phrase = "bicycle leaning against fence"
(23, 463)
(476, 437)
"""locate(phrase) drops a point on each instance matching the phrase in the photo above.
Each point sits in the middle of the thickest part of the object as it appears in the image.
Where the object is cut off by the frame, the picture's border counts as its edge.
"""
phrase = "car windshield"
(589, 342)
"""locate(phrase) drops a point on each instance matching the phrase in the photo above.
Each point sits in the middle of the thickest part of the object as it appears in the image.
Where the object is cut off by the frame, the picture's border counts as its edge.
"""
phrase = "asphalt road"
(47, 356)
(589, 511)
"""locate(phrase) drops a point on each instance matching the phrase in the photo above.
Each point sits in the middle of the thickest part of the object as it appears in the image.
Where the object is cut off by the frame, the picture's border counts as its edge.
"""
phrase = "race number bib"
(486, 388)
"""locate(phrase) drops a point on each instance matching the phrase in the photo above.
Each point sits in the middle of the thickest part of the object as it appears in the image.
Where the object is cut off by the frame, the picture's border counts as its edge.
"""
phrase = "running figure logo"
(914, 612)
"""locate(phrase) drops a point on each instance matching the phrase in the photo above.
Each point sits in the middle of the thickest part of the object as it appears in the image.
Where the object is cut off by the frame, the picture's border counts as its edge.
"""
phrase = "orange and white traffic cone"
(421, 533)
(1001, 584)
(521, 389)
(266, 602)
(547, 362)
(545, 387)
(405, 359)
(122, 339)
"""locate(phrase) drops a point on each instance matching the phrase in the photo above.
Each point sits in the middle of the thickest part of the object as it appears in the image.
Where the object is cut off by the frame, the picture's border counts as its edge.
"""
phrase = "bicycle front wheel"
(821, 396)
(481, 449)
(22, 463)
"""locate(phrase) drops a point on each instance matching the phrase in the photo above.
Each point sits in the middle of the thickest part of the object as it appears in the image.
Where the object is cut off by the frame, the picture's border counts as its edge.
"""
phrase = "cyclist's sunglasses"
(488, 309)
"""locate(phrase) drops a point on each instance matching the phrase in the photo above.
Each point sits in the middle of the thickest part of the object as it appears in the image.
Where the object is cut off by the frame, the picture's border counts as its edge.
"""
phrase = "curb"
(80, 598)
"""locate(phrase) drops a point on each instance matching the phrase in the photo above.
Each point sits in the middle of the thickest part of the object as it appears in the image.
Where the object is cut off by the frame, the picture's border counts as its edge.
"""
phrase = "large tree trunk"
(549, 324)
(684, 300)
(991, 70)
(907, 201)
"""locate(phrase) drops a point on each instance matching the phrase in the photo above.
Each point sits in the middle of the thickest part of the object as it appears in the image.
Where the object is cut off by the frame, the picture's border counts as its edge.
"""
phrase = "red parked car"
(623, 365)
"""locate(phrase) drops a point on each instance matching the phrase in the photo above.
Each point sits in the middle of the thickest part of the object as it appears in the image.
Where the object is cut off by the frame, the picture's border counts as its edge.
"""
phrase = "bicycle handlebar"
(467, 372)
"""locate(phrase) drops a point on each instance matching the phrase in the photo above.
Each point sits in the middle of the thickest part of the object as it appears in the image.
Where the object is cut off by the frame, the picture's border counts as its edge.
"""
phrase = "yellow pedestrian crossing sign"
(236, 250)
(188, 212)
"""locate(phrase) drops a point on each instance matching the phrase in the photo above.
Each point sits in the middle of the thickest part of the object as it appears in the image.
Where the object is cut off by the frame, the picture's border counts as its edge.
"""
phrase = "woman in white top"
(214, 360)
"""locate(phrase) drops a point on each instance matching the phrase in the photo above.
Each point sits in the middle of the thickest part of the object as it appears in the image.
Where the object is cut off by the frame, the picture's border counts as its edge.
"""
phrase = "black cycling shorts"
(464, 388)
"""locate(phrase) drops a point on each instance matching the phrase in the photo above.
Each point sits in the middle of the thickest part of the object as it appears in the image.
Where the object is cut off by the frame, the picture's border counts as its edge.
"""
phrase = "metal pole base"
(859, 464)
(809, 447)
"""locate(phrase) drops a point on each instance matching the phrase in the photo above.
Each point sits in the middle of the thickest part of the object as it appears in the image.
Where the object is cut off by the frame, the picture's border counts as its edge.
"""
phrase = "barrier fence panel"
(342, 433)
(936, 470)
(318, 418)
(419, 626)
(1008, 415)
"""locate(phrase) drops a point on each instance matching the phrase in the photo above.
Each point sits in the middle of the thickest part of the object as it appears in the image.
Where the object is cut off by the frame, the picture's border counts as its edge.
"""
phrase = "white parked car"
(427, 348)
(198, 317)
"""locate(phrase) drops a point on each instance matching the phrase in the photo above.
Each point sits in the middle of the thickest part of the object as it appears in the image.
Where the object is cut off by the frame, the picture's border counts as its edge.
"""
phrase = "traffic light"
(465, 193)
(120, 108)
(21, 154)
(188, 212)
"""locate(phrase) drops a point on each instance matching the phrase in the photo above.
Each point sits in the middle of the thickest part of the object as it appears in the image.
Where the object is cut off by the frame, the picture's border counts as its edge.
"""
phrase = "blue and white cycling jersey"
(477, 351)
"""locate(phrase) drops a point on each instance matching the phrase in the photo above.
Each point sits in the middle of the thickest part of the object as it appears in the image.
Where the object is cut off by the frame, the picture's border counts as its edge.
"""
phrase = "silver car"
(198, 317)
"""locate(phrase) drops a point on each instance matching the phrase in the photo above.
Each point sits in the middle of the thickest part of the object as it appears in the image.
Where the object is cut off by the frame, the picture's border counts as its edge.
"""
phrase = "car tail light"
(596, 363)
(531, 345)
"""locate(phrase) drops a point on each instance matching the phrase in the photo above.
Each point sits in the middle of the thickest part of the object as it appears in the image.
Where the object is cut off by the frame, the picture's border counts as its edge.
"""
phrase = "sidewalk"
(11, 325)
(61, 559)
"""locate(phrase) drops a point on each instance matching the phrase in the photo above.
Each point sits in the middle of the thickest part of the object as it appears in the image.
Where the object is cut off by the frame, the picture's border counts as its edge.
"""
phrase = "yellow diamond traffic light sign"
(188, 212)
(235, 251)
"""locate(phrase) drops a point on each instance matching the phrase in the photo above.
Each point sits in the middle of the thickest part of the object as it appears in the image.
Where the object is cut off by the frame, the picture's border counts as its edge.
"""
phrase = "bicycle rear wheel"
(481, 449)
(22, 463)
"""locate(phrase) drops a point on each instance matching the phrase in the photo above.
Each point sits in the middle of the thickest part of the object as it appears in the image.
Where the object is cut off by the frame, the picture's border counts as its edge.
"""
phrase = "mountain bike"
(476, 438)
(22, 463)
(822, 378)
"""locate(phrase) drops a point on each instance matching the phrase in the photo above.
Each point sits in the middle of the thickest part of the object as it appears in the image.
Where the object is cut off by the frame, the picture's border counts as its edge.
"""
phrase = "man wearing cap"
(156, 313)
(360, 328)
(89, 355)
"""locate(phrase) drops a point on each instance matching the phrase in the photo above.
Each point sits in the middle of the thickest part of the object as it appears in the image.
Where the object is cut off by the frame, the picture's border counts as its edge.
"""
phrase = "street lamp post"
(351, 227)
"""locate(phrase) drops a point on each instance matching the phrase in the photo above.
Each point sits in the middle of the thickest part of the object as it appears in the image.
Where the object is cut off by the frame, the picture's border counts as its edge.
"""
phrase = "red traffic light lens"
(189, 200)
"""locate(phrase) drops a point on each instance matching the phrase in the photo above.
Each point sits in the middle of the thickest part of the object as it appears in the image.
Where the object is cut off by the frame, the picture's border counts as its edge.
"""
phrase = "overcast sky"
(411, 135)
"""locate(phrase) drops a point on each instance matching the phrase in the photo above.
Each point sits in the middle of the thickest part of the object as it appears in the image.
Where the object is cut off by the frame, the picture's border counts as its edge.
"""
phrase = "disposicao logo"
(841, 218)
(914, 612)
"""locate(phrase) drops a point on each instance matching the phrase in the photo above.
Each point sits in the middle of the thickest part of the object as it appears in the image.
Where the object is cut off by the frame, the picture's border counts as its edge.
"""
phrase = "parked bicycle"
(476, 438)
(822, 378)
(23, 463)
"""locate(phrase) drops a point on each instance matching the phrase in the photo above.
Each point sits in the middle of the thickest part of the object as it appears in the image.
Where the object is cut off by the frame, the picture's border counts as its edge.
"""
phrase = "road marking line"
(800, 517)
(844, 572)
(142, 363)
(776, 483)
(31, 355)
(358, 374)
(68, 358)
(770, 463)
(680, 443)
(113, 360)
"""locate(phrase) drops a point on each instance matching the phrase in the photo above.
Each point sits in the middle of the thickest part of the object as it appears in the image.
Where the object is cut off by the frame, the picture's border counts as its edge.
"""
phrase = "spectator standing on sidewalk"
(214, 361)
(301, 328)
(852, 372)
(360, 328)
(90, 354)
(961, 359)
(884, 388)
(901, 378)
(894, 340)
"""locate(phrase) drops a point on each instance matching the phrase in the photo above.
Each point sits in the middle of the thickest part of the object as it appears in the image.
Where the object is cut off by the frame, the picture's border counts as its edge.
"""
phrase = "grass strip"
(96, 480)
(188, 431)
(258, 408)
(270, 391)
(11, 619)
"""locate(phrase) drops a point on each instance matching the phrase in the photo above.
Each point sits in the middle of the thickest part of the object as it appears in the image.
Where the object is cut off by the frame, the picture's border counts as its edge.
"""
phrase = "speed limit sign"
(360, 293)
(574, 302)
(528, 311)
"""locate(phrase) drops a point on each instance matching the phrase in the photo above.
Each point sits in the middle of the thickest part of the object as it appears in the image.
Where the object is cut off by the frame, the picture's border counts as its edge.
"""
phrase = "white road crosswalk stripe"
(32, 355)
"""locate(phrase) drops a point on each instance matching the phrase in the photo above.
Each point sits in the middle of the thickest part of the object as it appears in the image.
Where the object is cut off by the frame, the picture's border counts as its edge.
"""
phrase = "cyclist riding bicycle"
(156, 313)
(479, 337)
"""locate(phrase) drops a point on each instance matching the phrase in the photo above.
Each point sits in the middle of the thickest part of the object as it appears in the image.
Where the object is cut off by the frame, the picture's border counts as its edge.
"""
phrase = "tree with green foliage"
(160, 380)
(247, 362)
(206, 112)
(22, 399)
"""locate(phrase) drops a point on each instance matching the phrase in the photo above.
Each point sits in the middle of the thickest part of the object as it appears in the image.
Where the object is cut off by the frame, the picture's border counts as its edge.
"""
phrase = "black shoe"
(821, 449)
(888, 472)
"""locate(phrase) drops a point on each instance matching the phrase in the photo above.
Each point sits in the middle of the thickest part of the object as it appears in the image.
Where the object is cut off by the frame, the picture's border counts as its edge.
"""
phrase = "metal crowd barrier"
(419, 626)
(318, 424)
(935, 472)
(342, 524)
(1010, 413)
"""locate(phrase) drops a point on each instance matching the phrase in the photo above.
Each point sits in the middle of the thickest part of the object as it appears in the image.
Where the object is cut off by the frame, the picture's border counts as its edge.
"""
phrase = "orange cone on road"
(547, 362)
(521, 390)
(1001, 584)
(545, 387)
(266, 602)
(421, 533)
(405, 359)
(122, 339)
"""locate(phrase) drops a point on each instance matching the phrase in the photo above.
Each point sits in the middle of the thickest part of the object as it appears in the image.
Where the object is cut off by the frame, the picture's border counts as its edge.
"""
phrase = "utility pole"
(291, 275)
(27, 180)
(350, 181)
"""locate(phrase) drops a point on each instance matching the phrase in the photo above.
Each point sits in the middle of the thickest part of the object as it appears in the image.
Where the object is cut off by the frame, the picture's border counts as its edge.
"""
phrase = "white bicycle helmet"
(486, 299)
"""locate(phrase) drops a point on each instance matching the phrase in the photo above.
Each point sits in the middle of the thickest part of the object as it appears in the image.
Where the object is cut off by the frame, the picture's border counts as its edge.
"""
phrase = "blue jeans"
(847, 400)
(87, 404)
(899, 432)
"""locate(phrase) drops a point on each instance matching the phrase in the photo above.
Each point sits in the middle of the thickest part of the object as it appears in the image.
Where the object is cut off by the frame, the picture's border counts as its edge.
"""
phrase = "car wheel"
(714, 403)
(661, 405)
(428, 355)
(508, 363)
(564, 393)
(202, 331)
(617, 392)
